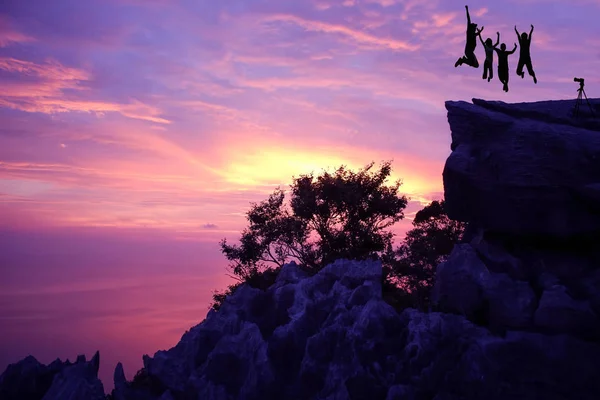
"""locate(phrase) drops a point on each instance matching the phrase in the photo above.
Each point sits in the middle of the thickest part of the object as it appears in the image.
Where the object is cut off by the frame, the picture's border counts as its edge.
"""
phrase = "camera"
(580, 80)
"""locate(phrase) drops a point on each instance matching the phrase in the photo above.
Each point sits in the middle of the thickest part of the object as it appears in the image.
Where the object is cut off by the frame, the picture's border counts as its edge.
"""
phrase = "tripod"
(581, 94)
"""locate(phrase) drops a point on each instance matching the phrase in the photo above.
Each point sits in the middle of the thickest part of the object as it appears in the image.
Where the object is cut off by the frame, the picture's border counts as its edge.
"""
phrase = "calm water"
(72, 292)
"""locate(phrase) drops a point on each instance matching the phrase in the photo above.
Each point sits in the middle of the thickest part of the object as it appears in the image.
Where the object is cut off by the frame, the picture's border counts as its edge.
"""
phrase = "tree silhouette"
(431, 240)
(335, 215)
(343, 215)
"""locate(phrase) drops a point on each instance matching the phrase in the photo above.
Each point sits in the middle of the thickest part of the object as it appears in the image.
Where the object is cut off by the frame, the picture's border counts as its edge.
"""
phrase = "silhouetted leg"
(485, 72)
(471, 60)
(491, 74)
(460, 61)
(503, 75)
(520, 68)
(530, 71)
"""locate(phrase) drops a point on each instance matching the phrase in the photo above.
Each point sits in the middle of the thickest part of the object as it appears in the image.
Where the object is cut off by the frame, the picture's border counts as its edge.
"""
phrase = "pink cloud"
(47, 97)
(357, 36)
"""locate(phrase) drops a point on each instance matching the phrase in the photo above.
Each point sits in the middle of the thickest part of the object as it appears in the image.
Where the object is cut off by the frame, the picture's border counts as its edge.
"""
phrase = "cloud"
(210, 226)
(355, 35)
(47, 95)
(9, 35)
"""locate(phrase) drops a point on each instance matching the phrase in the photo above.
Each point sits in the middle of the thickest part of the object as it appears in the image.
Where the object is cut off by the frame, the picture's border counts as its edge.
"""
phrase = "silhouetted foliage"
(430, 241)
(343, 215)
(143, 380)
(332, 216)
(258, 279)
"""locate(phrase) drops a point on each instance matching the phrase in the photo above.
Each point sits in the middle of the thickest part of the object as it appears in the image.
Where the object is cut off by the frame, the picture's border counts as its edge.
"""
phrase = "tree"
(425, 246)
(339, 215)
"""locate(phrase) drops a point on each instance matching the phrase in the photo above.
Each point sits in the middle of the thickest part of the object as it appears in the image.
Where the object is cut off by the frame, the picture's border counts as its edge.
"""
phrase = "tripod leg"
(577, 102)
(588, 103)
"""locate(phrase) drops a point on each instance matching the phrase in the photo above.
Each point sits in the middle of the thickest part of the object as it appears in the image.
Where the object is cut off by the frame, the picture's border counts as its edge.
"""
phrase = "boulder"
(464, 285)
(560, 313)
(522, 173)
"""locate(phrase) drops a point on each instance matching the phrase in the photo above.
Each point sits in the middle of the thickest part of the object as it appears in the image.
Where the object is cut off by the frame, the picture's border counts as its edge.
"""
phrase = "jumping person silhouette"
(524, 54)
(472, 32)
(489, 56)
(503, 64)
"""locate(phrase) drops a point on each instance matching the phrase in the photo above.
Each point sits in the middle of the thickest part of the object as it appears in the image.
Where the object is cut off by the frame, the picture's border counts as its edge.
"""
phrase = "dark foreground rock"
(331, 336)
(30, 380)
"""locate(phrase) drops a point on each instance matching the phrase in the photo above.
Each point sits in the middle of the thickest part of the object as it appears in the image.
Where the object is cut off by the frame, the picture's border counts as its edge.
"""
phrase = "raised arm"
(518, 34)
(468, 16)
(497, 39)
(480, 39)
(530, 32)
(513, 50)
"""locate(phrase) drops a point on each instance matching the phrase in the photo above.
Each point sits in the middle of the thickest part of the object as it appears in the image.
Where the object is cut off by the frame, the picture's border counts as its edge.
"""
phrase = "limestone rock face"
(523, 169)
(30, 380)
(77, 382)
(331, 336)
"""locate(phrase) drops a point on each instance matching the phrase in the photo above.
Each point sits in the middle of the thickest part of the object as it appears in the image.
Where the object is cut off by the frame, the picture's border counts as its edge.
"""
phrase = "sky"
(134, 134)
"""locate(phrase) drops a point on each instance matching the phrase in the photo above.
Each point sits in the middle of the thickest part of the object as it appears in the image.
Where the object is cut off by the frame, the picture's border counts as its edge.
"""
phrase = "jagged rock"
(77, 382)
(498, 259)
(340, 340)
(560, 313)
(28, 379)
(166, 396)
(401, 392)
(464, 285)
(591, 289)
(120, 382)
(514, 172)
(458, 287)
(289, 273)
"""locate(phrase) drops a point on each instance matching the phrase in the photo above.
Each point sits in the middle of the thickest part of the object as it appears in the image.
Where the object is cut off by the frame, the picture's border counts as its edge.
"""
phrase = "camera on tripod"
(581, 95)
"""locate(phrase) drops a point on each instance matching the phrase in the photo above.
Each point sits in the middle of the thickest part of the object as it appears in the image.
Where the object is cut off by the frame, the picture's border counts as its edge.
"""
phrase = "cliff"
(515, 306)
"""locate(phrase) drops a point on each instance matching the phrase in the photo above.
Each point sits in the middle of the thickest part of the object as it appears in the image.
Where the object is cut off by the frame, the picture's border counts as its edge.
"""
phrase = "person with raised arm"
(503, 64)
(488, 70)
(525, 54)
(472, 32)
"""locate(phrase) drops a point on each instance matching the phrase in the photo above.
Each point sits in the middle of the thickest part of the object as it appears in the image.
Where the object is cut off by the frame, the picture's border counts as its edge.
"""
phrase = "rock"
(28, 379)
(457, 287)
(289, 273)
(511, 303)
(591, 289)
(120, 383)
(401, 392)
(498, 259)
(77, 382)
(559, 313)
(516, 172)
(166, 396)
(464, 285)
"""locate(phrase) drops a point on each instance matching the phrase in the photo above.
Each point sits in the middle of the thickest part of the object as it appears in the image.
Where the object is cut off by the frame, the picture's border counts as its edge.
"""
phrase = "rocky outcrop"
(524, 177)
(30, 380)
(331, 336)
(524, 169)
